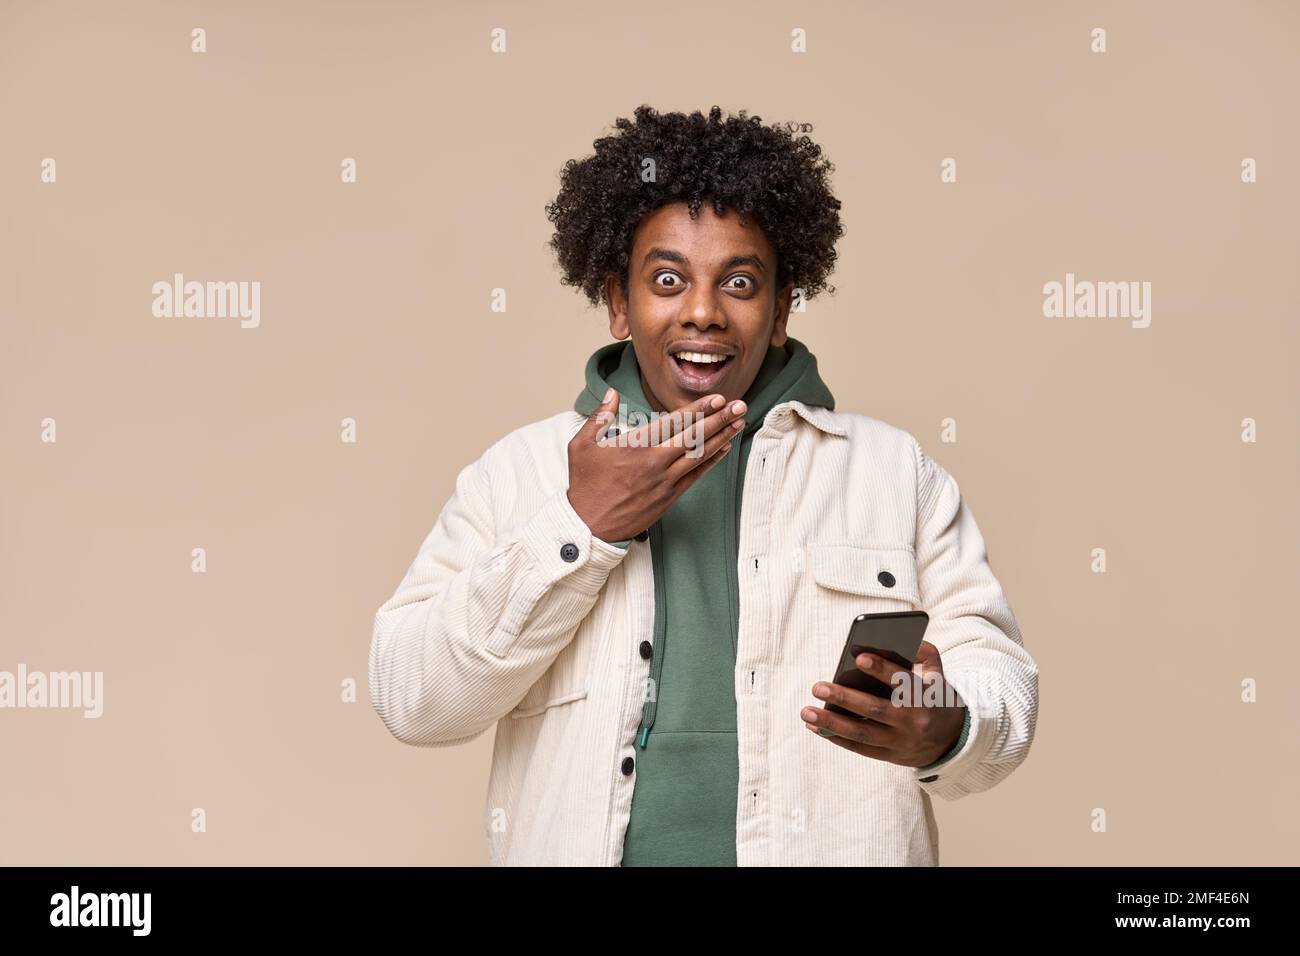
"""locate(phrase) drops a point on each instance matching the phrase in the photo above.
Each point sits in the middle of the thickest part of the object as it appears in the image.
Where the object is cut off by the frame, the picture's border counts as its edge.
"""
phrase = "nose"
(702, 309)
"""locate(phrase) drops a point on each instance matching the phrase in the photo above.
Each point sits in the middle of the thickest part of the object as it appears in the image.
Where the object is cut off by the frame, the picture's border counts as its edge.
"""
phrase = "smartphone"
(894, 635)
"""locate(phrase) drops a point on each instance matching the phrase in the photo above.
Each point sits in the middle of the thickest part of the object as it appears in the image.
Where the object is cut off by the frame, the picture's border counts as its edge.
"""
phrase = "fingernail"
(737, 408)
(821, 691)
(609, 394)
(717, 401)
(810, 715)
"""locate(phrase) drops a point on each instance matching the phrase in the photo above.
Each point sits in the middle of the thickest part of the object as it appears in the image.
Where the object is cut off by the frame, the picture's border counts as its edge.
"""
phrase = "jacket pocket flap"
(877, 572)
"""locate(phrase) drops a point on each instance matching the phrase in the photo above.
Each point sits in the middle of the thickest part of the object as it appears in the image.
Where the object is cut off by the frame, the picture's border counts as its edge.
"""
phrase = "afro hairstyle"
(765, 172)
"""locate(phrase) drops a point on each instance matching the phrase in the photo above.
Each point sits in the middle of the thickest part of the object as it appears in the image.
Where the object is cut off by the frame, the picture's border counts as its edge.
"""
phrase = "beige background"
(223, 689)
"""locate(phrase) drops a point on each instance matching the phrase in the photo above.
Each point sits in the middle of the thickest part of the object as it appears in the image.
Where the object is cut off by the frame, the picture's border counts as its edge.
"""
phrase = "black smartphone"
(894, 635)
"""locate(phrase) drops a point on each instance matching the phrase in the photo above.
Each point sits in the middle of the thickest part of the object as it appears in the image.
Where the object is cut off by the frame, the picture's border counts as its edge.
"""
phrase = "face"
(702, 305)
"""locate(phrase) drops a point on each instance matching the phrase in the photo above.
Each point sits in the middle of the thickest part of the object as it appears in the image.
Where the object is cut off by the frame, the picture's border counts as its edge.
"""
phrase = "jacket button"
(628, 764)
(646, 650)
(642, 535)
(569, 552)
(930, 779)
(885, 578)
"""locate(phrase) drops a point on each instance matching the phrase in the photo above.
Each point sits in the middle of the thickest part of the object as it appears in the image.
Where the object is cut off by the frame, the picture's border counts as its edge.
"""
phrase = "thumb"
(604, 413)
(927, 659)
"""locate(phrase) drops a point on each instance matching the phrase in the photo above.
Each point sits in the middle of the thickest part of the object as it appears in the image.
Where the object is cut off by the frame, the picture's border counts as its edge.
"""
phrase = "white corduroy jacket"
(493, 625)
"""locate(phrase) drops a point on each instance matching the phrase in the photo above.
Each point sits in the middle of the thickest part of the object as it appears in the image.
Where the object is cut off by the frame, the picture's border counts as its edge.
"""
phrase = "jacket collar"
(782, 416)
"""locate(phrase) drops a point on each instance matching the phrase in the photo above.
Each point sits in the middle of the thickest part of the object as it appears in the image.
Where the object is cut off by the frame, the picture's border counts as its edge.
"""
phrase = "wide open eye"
(675, 283)
(748, 284)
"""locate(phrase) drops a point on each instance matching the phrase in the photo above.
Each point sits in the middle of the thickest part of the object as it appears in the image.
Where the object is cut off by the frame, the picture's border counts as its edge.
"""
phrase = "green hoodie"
(684, 801)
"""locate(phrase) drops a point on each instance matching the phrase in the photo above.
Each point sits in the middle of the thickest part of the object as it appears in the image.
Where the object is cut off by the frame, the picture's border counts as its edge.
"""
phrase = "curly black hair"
(764, 172)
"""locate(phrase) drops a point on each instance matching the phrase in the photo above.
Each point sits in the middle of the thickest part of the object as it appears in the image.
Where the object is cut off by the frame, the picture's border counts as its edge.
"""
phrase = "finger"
(927, 659)
(885, 710)
(866, 750)
(868, 732)
(692, 458)
(660, 428)
(882, 669)
(685, 432)
(698, 471)
(928, 674)
(919, 687)
(598, 421)
(695, 433)
(680, 418)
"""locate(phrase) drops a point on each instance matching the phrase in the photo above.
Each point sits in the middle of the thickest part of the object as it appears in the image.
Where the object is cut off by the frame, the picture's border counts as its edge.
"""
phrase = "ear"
(616, 303)
(781, 313)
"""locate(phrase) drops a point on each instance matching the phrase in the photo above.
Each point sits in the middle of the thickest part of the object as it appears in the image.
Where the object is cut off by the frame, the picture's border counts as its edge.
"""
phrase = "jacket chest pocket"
(850, 580)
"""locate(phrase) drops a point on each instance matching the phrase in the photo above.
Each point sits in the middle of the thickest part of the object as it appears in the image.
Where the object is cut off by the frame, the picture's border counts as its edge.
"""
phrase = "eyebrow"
(671, 255)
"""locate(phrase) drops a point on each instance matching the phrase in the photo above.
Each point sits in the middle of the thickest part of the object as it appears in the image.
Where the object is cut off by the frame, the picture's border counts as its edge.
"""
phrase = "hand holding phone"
(895, 636)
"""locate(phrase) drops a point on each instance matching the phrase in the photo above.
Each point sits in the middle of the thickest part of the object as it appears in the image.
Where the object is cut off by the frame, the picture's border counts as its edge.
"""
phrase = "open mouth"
(700, 371)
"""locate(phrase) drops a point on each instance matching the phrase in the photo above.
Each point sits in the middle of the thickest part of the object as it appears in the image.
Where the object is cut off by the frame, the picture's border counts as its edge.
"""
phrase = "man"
(649, 608)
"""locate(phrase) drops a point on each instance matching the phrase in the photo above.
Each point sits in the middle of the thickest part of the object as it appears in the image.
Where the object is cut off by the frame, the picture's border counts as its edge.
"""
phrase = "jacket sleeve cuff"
(943, 779)
(955, 748)
(565, 551)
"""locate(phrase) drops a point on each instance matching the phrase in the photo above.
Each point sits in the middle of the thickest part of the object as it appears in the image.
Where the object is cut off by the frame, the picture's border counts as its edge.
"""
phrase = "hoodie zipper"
(660, 633)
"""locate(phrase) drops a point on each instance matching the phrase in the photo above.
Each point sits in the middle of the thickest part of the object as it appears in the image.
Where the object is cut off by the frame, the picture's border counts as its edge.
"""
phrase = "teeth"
(699, 357)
